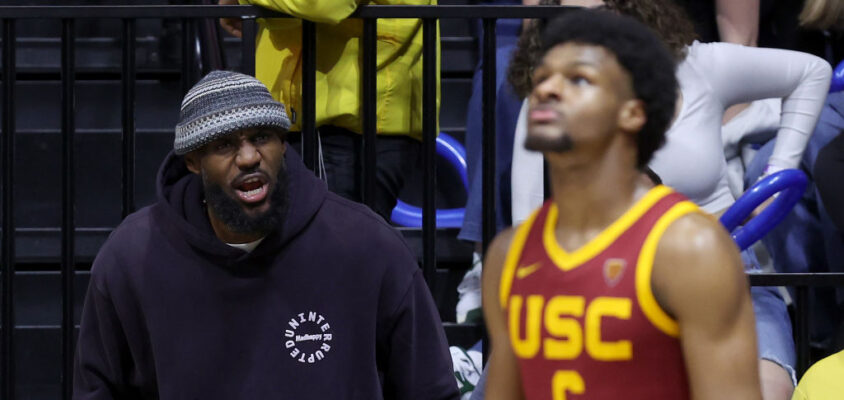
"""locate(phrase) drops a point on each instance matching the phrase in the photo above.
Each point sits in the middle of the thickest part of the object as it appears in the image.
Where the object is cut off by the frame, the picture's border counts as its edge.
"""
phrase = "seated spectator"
(822, 14)
(247, 279)
(829, 174)
(828, 15)
(807, 240)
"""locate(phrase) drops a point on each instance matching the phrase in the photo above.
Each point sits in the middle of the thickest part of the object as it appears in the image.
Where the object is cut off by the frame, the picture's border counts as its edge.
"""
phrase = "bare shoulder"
(495, 257)
(693, 236)
(695, 259)
(503, 379)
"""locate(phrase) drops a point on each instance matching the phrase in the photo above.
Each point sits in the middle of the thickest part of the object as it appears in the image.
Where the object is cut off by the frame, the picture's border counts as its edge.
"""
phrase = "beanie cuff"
(195, 134)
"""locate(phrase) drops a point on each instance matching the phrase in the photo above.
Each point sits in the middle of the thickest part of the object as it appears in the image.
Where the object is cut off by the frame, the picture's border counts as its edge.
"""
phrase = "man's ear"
(282, 135)
(192, 162)
(632, 116)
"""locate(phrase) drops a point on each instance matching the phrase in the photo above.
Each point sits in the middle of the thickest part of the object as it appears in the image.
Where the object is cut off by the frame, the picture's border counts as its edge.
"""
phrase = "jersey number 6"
(566, 382)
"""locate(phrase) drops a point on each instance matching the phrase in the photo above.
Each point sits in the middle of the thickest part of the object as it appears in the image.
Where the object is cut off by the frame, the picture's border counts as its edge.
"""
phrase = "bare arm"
(526, 21)
(503, 380)
(738, 21)
(698, 278)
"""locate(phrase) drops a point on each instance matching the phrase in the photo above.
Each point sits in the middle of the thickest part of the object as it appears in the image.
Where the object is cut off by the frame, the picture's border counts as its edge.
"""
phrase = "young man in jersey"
(614, 288)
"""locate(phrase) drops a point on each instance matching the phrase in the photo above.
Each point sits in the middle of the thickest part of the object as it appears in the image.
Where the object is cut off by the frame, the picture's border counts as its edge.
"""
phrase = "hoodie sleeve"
(325, 11)
(112, 360)
(101, 350)
(418, 363)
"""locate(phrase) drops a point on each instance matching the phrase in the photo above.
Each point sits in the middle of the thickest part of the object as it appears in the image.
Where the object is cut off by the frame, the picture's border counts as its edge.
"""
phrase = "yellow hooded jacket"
(338, 77)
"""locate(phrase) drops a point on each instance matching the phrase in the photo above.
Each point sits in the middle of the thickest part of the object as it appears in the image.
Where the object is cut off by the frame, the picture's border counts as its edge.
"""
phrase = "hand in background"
(758, 210)
(231, 25)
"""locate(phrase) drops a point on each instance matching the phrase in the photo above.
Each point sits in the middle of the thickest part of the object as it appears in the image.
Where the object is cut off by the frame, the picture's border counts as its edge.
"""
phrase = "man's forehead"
(574, 54)
(246, 132)
(240, 134)
(571, 55)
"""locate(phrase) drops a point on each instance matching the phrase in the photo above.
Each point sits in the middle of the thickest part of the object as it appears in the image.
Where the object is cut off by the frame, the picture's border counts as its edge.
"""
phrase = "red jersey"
(586, 325)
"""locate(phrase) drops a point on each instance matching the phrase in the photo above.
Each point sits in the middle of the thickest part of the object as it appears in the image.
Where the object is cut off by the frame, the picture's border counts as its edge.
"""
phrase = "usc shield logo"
(613, 270)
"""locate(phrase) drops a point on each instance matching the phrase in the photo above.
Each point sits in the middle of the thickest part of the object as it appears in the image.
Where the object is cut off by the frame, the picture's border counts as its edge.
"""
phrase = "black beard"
(231, 212)
(559, 145)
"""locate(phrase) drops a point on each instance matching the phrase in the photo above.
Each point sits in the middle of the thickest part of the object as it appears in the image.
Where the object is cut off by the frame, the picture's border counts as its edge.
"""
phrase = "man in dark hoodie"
(249, 280)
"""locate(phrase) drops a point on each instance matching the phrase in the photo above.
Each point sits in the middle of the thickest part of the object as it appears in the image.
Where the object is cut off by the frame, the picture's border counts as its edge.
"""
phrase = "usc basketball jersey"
(585, 324)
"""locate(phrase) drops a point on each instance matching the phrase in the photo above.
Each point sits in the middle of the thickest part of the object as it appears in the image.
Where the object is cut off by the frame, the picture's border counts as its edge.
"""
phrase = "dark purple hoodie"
(332, 305)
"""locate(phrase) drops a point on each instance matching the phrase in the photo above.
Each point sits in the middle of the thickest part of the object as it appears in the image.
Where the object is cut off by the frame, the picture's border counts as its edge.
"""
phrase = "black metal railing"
(8, 244)
(188, 16)
(68, 262)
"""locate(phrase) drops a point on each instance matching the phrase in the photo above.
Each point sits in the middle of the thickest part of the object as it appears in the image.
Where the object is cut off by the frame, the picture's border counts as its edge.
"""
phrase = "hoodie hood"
(181, 195)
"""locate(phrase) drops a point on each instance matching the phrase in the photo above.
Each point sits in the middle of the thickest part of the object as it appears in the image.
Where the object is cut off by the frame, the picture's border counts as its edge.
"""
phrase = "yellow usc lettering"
(561, 318)
(607, 307)
(569, 344)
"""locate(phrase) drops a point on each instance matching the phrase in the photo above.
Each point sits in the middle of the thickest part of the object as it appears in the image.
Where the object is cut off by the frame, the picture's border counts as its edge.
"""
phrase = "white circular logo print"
(309, 337)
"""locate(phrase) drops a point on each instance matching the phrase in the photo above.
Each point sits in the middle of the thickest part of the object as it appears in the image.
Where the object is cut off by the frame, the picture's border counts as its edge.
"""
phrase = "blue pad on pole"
(410, 216)
(789, 183)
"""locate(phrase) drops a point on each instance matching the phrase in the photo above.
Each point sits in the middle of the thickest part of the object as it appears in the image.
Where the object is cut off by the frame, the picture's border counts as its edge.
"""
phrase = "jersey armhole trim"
(514, 253)
(644, 268)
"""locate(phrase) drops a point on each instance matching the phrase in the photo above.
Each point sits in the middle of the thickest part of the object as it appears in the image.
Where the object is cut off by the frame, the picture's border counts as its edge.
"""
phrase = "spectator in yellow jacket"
(339, 89)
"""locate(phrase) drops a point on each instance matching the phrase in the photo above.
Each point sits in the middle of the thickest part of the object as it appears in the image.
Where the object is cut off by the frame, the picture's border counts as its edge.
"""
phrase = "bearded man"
(248, 279)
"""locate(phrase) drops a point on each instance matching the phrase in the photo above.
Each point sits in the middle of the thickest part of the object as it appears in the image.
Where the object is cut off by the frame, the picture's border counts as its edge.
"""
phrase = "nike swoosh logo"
(522, 272)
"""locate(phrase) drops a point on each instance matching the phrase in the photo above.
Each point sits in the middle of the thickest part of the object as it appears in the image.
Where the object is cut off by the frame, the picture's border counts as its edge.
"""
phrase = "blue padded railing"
(788, 185)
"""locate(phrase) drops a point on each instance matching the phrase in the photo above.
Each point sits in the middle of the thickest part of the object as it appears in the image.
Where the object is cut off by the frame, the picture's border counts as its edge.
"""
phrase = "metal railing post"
(188, 53)
(429, 142)
(68, 223)
(7, 348)
(802, 332)
(489, 220)
(488, 141)
(370, 87)
(308, 112)
(247, 46)
(128, 116)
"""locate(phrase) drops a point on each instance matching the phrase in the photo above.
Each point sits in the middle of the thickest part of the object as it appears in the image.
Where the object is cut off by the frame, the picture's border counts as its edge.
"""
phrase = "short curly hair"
(640, 52)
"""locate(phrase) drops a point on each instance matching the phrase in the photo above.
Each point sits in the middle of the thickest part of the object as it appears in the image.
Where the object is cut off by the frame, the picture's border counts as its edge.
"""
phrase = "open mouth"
(252, 189)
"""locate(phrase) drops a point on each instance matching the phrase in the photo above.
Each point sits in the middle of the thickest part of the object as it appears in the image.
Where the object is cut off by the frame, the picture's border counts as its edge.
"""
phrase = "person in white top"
(713, 77)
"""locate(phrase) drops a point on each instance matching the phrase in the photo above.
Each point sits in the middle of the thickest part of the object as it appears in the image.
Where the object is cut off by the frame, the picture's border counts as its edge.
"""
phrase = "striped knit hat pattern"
(224, 102)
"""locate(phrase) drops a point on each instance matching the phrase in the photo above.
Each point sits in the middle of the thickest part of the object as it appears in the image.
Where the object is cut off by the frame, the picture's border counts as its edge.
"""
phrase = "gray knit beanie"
(224, 102)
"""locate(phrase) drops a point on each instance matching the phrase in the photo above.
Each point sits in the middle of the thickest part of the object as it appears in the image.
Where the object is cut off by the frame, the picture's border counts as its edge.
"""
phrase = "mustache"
(252, 171)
